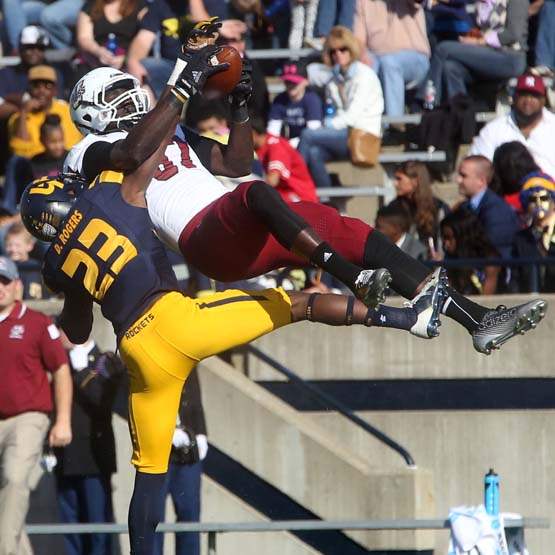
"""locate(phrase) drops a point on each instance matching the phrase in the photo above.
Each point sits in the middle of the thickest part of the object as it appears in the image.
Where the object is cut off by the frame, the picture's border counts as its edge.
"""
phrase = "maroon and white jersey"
(180, 189)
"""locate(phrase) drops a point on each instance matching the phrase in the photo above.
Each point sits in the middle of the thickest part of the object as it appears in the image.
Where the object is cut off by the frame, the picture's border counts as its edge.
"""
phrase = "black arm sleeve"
(97, 159)
(202, 147)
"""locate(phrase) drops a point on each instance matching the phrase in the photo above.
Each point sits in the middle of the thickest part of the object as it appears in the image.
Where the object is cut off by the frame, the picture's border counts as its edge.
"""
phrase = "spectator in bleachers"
(512, 165)
(538, 239)
(50, 161)
(30, 350)
(355, 93)
(303, 19)
(19, 246)
(450, 20)
(393, 34)
(545, 39)
(464, 237)
(24, 126)
(235, 36)
(85, 466)
(330, 14)
(297, 107)
(498, 219)
(394, 222)
(58, 17)
(7, 218)
(160, 21)
(495, 50)
(14, 83)
(284, 167)
(105, 30)
(414, 195)
(529, 122)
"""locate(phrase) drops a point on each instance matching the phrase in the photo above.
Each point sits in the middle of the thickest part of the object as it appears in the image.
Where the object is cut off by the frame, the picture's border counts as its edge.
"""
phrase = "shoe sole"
(525, 322)
(375, 292)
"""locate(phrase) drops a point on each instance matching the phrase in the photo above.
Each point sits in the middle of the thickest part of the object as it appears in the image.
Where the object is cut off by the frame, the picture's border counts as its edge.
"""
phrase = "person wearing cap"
(24, 126)
(297, 107)
(31, 349)
(56, 16)
(529, 123)
(537, 240)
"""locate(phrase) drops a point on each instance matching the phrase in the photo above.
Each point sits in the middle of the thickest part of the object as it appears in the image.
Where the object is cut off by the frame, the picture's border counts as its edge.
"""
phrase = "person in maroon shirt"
(30, 346)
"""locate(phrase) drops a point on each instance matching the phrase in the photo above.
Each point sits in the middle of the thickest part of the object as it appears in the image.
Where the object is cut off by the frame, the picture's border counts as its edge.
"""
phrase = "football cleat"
(499, 325)
(371, 285)
(428, 304)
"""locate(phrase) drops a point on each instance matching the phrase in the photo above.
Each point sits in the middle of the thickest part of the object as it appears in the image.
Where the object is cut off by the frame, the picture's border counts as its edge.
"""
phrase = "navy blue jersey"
(107, 250)
(296, 114)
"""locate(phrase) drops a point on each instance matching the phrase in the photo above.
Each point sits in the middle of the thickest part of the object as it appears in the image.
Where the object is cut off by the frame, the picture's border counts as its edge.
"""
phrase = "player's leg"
(297, 235)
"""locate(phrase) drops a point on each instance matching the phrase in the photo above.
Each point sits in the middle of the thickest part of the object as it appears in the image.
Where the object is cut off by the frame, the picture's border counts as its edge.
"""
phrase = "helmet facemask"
(121, 111)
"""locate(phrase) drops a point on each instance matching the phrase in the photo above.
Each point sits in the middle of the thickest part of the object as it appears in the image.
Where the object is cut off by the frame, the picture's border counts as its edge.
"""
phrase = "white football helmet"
(92, 112)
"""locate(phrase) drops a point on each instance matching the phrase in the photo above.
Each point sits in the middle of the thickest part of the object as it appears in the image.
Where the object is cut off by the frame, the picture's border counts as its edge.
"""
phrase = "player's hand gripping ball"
(222, 83)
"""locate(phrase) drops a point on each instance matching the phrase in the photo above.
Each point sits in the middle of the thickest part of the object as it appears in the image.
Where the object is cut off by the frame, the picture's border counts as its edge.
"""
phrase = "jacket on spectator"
(92, 449)
(360, 102)
(531, 278)
(499, 220)
(504, 23)
(391, 25)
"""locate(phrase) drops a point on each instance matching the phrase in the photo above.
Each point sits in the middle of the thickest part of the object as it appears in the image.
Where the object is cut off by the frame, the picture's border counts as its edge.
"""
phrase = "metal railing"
(329, 401)
(214, 528)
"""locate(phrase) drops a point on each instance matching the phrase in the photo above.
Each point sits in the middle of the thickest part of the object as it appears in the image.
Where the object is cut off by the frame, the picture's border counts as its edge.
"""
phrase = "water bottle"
(329, 112)
(112, 43)
(429, 95)
(491, 493)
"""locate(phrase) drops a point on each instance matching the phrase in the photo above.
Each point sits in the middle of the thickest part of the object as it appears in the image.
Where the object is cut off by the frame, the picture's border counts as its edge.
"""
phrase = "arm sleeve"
(483, 143)
(96, 159)
(52, 352)
(314, 109)
(201, 145)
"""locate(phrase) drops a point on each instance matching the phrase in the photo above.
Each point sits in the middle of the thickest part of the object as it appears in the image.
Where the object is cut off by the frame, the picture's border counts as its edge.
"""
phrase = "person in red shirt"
(285, 168)
(30, 346)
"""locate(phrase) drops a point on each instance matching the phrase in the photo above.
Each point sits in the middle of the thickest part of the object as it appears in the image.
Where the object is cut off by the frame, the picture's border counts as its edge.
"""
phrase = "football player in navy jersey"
(103, 250)
(230, 236)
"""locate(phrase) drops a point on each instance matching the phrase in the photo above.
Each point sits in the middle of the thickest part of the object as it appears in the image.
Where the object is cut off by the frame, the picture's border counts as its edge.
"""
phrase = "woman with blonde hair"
(353, 95)
(414, 194)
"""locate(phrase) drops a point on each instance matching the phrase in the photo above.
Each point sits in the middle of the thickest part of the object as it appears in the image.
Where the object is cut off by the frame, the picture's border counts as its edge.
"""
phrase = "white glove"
(202, 444)
(180, 438)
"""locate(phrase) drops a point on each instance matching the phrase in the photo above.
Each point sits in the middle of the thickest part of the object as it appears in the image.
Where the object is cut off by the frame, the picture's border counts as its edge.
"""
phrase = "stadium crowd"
(368, 58)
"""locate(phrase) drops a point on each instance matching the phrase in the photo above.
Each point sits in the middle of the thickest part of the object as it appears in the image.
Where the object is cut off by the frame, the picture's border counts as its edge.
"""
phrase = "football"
(224, 82)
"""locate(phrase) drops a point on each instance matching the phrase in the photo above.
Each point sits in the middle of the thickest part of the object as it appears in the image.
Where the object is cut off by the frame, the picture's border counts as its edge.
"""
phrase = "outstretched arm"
(235, 158)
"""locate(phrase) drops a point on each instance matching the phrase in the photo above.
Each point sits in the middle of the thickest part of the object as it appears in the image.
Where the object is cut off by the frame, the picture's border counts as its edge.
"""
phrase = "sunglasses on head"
(338, 49)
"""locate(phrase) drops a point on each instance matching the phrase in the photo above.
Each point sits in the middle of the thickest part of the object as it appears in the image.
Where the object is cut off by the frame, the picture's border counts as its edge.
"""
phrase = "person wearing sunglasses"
(354, 92)
(537, 240)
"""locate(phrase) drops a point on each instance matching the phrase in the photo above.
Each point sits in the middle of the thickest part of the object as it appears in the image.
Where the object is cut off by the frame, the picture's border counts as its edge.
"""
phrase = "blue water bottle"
(329, 112)
(112, 43)
(491, 493)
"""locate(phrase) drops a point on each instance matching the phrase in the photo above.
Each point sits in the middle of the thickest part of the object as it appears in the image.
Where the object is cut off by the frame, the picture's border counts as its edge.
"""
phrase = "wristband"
(180, 65)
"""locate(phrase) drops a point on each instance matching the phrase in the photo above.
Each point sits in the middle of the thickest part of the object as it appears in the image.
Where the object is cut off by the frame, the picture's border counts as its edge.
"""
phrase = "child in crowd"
(464, 237)
(394, 222)
(49, 162)
(297, 107)
(19, 245)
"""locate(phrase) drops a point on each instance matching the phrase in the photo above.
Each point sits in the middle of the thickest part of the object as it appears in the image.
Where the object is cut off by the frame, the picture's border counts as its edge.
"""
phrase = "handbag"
(364, 147)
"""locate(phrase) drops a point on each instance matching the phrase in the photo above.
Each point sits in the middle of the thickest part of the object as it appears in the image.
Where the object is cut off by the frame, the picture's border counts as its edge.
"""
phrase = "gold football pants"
(169, 339)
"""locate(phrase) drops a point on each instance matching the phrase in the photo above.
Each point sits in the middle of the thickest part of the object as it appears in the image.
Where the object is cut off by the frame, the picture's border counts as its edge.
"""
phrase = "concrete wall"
(456, 446)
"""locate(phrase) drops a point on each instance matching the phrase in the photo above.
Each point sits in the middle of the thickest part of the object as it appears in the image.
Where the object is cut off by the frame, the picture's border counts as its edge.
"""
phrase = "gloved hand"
(204, 33)
(180, 438)
(240, 95)
(196, 67)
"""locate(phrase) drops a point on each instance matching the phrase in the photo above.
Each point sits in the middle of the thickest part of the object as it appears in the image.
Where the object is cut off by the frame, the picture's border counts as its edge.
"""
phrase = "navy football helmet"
(46, 202)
